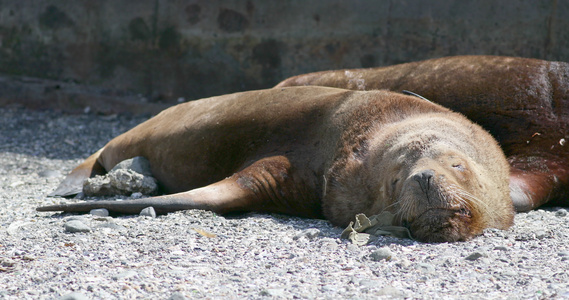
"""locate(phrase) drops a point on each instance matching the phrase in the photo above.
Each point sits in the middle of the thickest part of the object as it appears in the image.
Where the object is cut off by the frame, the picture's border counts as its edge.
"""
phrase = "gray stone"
(370, 283)
(540, 234)
(131, 176)
(391, 292)
(120, 182)
(125, 275)
(76, 226)
(275, 292)
(137, 164)
(100, 212)
(49, 173)
(177, 296)
(74, 296)
(309, 233)
(148, 212)
(474, 256)
(129, 181)
(425, 268)
(381, 254)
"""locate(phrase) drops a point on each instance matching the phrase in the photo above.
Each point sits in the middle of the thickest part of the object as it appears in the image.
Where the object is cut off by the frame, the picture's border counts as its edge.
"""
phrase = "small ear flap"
(416, 95)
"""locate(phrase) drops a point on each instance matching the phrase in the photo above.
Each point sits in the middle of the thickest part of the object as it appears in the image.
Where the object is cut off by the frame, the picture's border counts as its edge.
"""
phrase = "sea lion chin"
(315, 152)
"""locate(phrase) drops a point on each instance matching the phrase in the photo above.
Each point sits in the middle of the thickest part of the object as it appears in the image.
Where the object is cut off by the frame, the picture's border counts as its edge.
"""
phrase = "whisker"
(472, 202)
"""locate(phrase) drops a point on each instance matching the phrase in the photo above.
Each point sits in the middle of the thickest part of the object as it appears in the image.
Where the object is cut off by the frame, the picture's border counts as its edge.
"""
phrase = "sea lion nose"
(424, 178)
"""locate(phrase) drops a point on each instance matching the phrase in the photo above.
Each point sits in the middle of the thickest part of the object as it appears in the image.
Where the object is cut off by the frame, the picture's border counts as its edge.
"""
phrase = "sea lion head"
(442, 176)
(448, 187)
(446, 199)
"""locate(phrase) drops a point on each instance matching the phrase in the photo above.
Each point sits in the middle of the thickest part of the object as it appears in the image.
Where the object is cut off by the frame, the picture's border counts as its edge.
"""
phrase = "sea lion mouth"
(458, 212)
(437, 225)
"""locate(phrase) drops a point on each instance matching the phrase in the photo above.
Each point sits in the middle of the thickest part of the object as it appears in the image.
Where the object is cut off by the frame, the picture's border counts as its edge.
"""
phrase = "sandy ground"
(198, 254)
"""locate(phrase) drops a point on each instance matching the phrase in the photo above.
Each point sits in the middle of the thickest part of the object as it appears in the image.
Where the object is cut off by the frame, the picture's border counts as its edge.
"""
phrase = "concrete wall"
(162, 50)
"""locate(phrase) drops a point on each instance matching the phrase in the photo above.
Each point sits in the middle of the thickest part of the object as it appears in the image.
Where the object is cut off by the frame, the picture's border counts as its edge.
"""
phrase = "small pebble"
(76, 226)
(49, 173)
(74, 296)
(381, 254)
(370, 283)
(425, 268)
(474, 256)
(100, 212)
(329, 288)
(177, 296)
(125, 275)
(391, 292)
(310, 234)
(403, 263)
(540, 234)
(510, 273)
(276, 293)
(148, 212)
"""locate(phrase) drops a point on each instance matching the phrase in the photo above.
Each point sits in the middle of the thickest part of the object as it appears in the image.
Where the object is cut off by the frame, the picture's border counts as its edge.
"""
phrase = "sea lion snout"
(435, 204)
(424, 178)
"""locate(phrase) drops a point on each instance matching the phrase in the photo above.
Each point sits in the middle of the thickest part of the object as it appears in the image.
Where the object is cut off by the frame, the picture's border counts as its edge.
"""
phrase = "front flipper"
(268, 185)
(73, 183)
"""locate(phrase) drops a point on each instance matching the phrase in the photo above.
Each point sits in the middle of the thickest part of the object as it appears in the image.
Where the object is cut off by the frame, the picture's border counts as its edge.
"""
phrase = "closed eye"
(458, 167)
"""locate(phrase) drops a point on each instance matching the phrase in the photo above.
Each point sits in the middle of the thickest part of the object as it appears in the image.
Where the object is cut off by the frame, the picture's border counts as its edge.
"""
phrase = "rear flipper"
(73, 183)
(220, 197)
(532, 186)
(268, 185)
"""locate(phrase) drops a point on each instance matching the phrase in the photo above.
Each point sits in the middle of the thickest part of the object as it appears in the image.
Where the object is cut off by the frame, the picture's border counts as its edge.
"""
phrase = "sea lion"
(316, 152)
(522, 102)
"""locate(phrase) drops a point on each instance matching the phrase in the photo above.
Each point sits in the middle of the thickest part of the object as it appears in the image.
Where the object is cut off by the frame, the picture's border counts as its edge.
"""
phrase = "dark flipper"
(258, 187)
(73, 183)
(537, 182)
(220, 197)
(161, 205)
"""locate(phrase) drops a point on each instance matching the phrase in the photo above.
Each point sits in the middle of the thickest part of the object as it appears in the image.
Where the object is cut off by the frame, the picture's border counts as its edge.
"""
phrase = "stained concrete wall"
(163, 50)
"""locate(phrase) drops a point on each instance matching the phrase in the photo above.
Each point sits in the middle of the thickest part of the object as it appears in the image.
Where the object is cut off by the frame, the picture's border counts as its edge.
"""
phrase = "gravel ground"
(198, 254)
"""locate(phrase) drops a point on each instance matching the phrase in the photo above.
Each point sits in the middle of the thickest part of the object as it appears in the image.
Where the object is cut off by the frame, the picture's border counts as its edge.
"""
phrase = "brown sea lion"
(522, 102)
(316, 152)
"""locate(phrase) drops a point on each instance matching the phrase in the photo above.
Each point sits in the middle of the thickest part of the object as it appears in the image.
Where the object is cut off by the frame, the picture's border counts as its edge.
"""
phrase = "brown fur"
(317, 152)
(523, 103)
